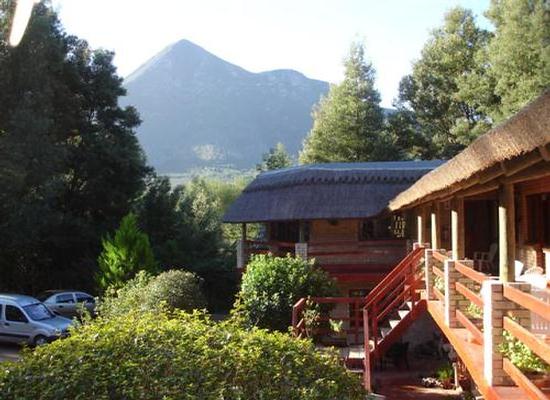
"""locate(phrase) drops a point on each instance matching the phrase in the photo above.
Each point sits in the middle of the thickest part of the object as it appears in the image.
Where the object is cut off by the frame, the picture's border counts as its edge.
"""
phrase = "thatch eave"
(519, 136)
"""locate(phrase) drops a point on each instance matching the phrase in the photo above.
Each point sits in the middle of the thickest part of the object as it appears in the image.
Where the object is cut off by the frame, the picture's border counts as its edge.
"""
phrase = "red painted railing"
(468, 287)
(398, 287)
(340, 248)
(538, 345)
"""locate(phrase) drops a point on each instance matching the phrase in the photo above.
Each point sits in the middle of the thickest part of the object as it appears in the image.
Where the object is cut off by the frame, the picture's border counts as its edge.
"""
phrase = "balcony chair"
(483, 260)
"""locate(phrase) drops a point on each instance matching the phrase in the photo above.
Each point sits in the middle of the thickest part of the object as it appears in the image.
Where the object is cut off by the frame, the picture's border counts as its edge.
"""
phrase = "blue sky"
(311, 36)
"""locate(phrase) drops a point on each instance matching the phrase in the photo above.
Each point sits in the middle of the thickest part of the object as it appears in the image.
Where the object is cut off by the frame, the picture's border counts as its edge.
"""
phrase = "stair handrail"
(375, 293)
(402, 273)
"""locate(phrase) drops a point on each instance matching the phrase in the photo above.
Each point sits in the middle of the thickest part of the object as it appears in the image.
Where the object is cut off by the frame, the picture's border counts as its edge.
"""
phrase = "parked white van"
(24, 319)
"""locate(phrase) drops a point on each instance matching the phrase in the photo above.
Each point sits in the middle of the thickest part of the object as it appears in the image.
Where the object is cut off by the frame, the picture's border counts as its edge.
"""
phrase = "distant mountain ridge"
(201, 111)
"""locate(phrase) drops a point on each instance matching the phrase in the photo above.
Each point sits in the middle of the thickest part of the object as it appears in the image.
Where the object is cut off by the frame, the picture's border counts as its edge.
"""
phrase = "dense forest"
(71, 167)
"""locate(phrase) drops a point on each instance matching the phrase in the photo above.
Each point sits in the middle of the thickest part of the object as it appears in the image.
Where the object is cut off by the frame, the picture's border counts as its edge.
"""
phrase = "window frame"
(88, 299)
(391, 219)
(26, 321)
(536, 229)
(65, 302)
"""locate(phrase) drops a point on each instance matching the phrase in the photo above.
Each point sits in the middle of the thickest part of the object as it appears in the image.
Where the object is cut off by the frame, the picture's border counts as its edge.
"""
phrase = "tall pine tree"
(515, 66)
(431, 91)
(349, 122)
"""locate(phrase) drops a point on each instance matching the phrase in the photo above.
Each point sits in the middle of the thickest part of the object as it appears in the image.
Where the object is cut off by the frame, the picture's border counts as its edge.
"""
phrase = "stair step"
(394, 322)
(384, 331)
(403, 313)
(356, 370)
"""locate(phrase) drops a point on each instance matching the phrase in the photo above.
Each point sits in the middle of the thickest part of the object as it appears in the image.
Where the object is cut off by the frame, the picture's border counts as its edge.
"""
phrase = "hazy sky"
(311, 36)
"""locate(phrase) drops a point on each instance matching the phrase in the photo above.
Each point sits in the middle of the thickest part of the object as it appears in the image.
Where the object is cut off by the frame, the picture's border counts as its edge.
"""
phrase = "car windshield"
(38, 312)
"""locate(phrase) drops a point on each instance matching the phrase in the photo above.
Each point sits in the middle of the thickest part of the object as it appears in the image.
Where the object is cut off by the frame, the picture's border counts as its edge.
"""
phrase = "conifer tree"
(348, 122)
(124, 254)
(277, 158)
(431, 91)
(515, 66)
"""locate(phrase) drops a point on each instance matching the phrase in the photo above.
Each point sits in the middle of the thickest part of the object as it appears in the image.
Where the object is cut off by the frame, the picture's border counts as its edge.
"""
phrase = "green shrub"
(177, 289)
(170, 290)
(521, 356)
(474, 311)
(272, 285)
(181, 356)
(439, 283)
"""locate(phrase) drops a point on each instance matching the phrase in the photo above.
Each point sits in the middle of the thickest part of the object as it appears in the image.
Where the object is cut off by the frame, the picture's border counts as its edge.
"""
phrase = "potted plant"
(445, 376)
(338, 336)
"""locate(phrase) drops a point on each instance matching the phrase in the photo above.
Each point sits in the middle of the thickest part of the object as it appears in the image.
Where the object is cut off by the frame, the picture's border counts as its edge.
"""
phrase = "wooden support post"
(435, 221)
(506, 233)
(300, 248)
(420, 226)
(242, 250)
(426, 225)
(243, 232)
(457, 228)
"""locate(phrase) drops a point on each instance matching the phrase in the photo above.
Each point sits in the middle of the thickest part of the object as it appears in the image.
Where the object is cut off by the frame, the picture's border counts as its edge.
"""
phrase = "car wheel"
(40, 340)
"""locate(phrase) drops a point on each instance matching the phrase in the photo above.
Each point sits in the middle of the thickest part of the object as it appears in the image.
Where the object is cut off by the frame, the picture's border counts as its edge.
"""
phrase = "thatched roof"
(325, 191)
(519, 135)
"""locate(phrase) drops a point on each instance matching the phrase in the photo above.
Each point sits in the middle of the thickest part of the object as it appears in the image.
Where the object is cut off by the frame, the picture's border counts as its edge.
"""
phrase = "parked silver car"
(68, 303)
(24, 319)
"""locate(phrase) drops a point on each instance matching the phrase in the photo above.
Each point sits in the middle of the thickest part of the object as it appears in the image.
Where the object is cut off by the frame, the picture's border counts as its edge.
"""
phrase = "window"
(65, 298)
(15, 314)
(285, 231)
(84, 298)
(384, 228)
(538, 219)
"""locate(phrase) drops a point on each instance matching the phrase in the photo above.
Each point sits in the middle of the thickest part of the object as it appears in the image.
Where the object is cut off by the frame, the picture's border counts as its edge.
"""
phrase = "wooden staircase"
(387, 311)
(390, 308)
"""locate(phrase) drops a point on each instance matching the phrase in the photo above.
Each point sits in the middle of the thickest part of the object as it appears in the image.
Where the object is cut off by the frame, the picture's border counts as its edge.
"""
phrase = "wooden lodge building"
(333, 213)
(480, 224)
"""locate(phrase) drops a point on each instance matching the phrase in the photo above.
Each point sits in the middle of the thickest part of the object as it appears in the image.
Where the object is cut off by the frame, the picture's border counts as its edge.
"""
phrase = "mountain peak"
(182, 54)
(201, 111)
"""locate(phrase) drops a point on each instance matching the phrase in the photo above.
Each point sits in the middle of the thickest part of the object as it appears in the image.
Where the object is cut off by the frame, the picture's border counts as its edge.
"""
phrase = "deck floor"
(472, 356)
